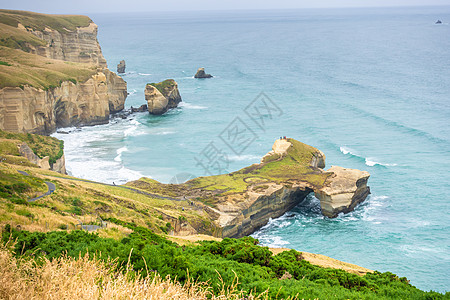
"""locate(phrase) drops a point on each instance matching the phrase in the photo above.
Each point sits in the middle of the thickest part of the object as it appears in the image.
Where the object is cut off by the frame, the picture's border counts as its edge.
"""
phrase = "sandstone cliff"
(162, 96)
(71, 104)
(40, 90)
(79, 45)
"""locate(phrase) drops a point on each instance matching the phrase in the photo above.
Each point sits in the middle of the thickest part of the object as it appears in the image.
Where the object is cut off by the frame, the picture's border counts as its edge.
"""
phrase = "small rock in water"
(201, 74)
(121, 67)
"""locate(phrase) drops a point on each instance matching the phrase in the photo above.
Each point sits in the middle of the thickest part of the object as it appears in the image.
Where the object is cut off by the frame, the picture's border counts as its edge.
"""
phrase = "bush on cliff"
(254, 266)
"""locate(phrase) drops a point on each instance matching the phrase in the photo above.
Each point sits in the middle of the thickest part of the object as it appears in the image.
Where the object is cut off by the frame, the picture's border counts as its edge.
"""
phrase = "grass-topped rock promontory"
(243, 201)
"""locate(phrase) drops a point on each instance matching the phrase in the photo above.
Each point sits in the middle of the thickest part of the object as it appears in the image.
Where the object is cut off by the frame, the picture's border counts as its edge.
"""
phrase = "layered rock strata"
(80, 45)
(71, 104)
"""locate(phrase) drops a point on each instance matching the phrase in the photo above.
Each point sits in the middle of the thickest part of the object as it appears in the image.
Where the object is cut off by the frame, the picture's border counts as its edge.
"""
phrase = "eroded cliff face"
(72, 104)
(80, 45)
(59, 166)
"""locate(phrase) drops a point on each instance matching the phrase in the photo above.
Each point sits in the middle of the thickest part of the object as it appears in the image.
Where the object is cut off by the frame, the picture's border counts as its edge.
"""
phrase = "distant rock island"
(438, 22)
(201, 74)
(162, 96)
(39, 90)
(121, 67)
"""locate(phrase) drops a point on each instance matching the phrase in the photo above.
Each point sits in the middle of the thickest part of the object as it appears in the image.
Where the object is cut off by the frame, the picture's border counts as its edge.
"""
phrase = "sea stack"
(201, 74)
(162, 96)
(121, 67)
(343, 190)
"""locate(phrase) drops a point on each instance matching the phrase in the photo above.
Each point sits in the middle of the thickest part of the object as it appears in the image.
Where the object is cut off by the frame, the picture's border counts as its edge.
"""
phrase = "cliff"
(53, 74)
(243, 201)
(36, 110)
(62, 37)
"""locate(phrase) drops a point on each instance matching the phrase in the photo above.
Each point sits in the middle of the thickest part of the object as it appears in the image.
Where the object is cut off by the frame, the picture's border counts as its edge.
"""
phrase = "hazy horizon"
(133, 6)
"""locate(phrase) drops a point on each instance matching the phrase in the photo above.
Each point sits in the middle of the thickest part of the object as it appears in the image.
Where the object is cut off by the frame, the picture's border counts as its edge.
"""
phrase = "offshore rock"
(201, 74)
(162, 96)
(121, 67)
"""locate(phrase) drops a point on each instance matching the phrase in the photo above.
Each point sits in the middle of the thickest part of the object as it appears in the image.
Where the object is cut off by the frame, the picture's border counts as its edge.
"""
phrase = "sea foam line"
(369, 161)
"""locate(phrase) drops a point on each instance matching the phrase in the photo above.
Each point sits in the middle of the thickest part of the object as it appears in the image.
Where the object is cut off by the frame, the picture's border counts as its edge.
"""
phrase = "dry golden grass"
(82, 278)
(327, 262)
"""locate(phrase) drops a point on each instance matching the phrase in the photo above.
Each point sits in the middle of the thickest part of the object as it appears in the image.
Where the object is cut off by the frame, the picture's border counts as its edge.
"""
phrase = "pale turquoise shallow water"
(370, 88)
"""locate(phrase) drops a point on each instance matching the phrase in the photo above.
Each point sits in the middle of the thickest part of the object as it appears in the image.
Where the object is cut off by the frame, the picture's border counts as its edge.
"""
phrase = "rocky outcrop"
(141, 108)
(59, 166)
(274, 188)
(71, 104)
(162, 96)
(344, 190)
(202, 74)
(80, 45)
(121, 67)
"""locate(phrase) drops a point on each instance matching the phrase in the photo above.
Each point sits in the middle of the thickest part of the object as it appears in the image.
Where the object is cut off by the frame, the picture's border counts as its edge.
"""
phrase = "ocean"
(368, 87)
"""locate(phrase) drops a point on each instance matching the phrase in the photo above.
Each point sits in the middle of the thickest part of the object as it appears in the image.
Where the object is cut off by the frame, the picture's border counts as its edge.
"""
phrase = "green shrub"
(257, 269)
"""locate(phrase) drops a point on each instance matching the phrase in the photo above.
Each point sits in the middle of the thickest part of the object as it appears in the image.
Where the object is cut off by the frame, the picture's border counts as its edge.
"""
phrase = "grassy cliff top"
(37, 21)
(19, 68)
(293, 166)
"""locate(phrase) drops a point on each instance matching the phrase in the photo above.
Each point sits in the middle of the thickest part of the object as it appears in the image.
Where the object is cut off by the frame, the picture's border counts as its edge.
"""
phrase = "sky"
(114, 6)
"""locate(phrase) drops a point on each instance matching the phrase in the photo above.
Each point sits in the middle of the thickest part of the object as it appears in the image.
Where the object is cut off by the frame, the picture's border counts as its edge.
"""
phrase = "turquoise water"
(370, 88)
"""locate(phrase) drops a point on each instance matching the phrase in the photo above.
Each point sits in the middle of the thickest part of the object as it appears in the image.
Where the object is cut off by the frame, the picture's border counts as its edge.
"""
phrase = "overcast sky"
(109, 6)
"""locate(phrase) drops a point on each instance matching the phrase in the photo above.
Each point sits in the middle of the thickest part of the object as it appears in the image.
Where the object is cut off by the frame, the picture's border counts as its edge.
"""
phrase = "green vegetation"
(255, 267)
(41, 145)
(3, 63)
(37, 21)
(164, 86)
(17, 188)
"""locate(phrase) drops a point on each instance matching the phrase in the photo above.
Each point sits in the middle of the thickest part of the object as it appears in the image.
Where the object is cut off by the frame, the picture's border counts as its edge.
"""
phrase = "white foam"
(119, 153)
(369, 161)
(346, 150)
(275, 242)
(191, 106)
(164, 132)
(372, 163)
(244, 157)
(132, 92)
(144, 74)
(89, 154)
